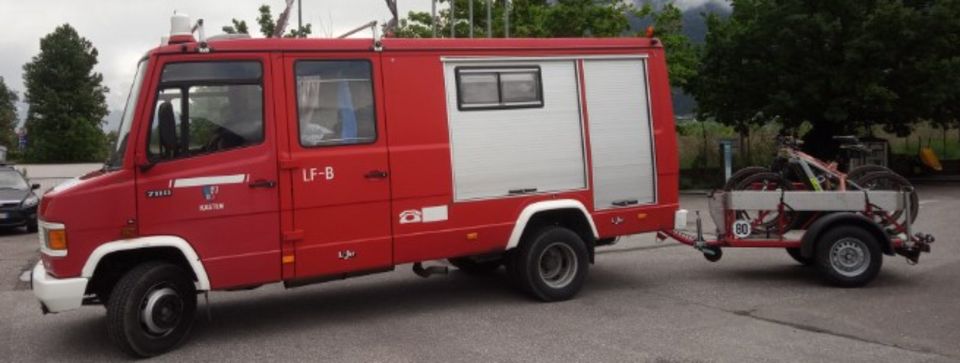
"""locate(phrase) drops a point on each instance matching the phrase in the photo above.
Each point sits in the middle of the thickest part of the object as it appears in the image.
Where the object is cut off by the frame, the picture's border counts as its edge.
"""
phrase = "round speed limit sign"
(741, 228)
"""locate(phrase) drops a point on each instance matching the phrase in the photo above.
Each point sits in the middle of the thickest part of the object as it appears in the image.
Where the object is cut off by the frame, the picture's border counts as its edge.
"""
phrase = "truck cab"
(244, 162)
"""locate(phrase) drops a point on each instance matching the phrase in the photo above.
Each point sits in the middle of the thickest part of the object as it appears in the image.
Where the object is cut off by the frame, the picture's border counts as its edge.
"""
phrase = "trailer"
(845, 233)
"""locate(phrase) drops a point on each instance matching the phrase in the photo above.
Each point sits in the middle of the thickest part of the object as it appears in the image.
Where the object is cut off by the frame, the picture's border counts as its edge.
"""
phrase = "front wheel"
(151, 309)
(551, 264)
(848, 256)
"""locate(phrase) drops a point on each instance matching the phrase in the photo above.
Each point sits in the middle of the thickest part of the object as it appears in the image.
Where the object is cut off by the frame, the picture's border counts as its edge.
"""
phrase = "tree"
(839, 65)
(267, 26)
(8, 116)
(66, 98)
(238, 27)
(528, 18)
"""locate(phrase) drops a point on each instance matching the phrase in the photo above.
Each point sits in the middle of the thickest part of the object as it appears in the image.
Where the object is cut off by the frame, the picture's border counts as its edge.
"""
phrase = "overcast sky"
(123, 30)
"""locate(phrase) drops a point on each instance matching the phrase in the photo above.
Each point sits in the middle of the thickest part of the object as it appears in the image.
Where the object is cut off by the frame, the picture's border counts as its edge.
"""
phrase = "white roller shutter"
(620, 137)
(496, 151)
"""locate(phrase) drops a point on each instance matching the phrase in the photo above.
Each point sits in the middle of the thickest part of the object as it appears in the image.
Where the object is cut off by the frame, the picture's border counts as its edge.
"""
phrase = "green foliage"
(8, 116)
(840, 65)
(238, 27)
(528, 19)
(267, 25)
(66, 98)
(683, 57)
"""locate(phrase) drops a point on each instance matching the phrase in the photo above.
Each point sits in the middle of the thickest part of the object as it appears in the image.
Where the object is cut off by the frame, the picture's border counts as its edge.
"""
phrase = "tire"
(473, 267)
(169, 290)
(741, 174)
(848, 256)
(32, 226)
(761, 182)
(888, 180)
(795, 254)
(863, 170)
(550, 265)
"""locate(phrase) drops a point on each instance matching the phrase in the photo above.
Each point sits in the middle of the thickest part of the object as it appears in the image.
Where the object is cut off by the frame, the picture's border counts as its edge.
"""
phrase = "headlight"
(53, 239)
(31, 201)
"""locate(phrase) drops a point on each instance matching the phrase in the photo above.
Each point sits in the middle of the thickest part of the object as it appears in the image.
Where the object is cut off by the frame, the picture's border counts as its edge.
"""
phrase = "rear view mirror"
(34, 186)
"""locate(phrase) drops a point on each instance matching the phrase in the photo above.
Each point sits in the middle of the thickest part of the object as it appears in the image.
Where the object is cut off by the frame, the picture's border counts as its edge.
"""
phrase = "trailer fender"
(203, 282)
(545, 206)
(824, 223)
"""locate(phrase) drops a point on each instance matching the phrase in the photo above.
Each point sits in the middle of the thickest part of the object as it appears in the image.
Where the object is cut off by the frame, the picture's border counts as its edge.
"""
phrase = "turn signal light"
(57, 239)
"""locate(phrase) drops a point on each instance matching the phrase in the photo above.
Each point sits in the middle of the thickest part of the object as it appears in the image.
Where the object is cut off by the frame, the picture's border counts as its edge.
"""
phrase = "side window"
(498, 88)
(206, 107)
(335, 103)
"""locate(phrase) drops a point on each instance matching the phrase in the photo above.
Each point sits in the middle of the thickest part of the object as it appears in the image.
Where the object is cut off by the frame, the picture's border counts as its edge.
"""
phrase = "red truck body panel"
(328, 200)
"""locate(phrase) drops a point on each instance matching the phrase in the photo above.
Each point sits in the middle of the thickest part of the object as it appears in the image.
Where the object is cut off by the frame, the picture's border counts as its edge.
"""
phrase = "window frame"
(373, 96)
(184, 88)
(498, 70)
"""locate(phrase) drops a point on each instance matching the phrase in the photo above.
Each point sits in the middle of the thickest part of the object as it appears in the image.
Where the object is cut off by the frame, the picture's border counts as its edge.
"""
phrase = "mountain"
(695, 27)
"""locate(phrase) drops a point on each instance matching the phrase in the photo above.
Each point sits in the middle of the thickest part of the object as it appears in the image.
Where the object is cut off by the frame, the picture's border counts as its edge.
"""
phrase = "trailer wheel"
(551, 265)
(797, 256)
(474, 267)
(151, 309)
(848, 256)
(713, 254)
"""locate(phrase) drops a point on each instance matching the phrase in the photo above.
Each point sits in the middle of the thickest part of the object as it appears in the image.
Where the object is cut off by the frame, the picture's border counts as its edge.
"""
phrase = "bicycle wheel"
(863, 170)
(766, 222)
(888, 180)
(741, 174)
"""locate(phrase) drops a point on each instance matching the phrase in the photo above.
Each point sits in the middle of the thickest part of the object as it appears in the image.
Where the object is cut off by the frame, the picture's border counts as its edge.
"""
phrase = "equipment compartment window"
(498, 88)
(206, 107)
(335, 103)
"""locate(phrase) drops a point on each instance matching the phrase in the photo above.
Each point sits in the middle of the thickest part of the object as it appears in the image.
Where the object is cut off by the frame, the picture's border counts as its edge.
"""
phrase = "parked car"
(18, 202)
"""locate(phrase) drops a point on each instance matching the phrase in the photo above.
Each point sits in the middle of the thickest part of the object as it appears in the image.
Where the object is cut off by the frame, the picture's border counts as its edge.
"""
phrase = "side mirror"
(34, 186)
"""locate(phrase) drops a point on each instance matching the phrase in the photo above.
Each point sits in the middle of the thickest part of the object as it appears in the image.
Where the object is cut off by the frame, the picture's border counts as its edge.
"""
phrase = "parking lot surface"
(643, 301)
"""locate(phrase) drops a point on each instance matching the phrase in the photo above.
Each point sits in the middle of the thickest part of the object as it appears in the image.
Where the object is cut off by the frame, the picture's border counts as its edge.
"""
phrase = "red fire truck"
(244, 162)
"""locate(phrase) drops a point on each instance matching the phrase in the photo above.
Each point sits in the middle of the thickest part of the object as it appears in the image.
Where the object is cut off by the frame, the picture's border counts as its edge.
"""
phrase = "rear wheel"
(741, 174)
(472, 266)
(766, 222)
(848, 256)
(151, 309)
(551, 265)
(888, 180)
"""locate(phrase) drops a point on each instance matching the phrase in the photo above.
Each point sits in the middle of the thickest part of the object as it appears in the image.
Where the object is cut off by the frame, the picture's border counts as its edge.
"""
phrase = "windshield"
(10, 179)
(116, 158)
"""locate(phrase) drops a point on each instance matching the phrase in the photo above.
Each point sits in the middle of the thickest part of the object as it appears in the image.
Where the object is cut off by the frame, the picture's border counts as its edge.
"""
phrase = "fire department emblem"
(210, 192)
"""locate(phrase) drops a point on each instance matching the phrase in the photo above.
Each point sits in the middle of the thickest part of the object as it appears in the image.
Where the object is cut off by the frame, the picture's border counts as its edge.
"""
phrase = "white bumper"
(55, 294)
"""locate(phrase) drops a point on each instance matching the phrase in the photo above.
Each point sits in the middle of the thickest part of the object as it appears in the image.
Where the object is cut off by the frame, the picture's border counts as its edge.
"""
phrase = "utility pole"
(489, 19)
(471, 18)
(299, 15)
(506, 19)
(453, 18)
(433, 17)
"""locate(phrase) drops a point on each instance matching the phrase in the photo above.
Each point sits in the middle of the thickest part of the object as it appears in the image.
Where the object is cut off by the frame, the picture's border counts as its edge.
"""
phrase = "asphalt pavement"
(643, 301)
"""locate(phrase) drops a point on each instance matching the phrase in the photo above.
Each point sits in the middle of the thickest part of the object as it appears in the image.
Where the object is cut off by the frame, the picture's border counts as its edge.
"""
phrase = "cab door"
(209, 165)
(337, 165)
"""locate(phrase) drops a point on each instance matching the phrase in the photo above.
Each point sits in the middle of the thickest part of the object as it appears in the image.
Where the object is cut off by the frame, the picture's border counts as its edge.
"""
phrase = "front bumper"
(16, 217)
(55, 294)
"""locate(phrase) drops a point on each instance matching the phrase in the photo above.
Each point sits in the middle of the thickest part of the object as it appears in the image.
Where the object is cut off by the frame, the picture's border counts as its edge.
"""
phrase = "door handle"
(261, 183)
(376, 174)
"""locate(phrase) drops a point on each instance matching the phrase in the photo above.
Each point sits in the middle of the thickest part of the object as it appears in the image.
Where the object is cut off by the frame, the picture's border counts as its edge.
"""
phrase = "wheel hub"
(850, 257)
(162, 311)
(557, 265)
